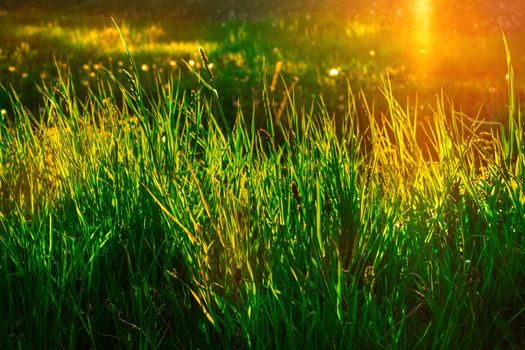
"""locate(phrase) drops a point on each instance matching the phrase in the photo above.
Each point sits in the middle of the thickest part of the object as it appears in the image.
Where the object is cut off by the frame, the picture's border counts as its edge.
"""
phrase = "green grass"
(139, 218)
(471, 67)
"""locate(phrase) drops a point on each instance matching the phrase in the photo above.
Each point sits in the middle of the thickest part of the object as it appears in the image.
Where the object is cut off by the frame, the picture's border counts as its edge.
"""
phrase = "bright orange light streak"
(422, 33)
(422, 20)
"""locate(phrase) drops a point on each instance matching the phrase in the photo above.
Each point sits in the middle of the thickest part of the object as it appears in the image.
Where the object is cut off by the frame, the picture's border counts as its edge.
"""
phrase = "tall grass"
(136, 219)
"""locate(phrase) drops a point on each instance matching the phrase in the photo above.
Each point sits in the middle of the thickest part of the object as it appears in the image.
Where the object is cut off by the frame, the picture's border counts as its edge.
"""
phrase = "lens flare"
(422, 14)
(422, 20)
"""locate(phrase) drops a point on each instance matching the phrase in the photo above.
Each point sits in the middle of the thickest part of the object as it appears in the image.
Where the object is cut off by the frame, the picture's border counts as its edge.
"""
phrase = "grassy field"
(296, 183)
(470, 67)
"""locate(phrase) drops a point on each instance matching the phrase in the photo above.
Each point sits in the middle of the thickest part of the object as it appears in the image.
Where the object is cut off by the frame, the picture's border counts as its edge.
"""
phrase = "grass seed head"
(206, 62)
(204, 57)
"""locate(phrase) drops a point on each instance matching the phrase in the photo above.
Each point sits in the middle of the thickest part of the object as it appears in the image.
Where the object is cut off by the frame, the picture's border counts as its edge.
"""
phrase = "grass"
(309, 45)
(196, 208)
(137, 219)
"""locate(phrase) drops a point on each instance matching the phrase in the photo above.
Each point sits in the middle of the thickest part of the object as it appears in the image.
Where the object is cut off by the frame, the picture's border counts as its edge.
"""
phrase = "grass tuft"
(136, 218)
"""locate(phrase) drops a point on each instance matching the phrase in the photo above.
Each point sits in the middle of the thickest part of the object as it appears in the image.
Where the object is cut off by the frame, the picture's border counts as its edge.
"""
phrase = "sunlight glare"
(421, 37)
(422, 21)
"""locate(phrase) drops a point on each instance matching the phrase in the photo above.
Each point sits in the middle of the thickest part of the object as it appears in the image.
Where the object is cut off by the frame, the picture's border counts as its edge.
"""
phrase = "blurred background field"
(317, 46)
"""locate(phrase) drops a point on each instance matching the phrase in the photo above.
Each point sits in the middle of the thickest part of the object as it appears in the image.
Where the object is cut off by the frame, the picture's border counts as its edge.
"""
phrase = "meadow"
(283, 181)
